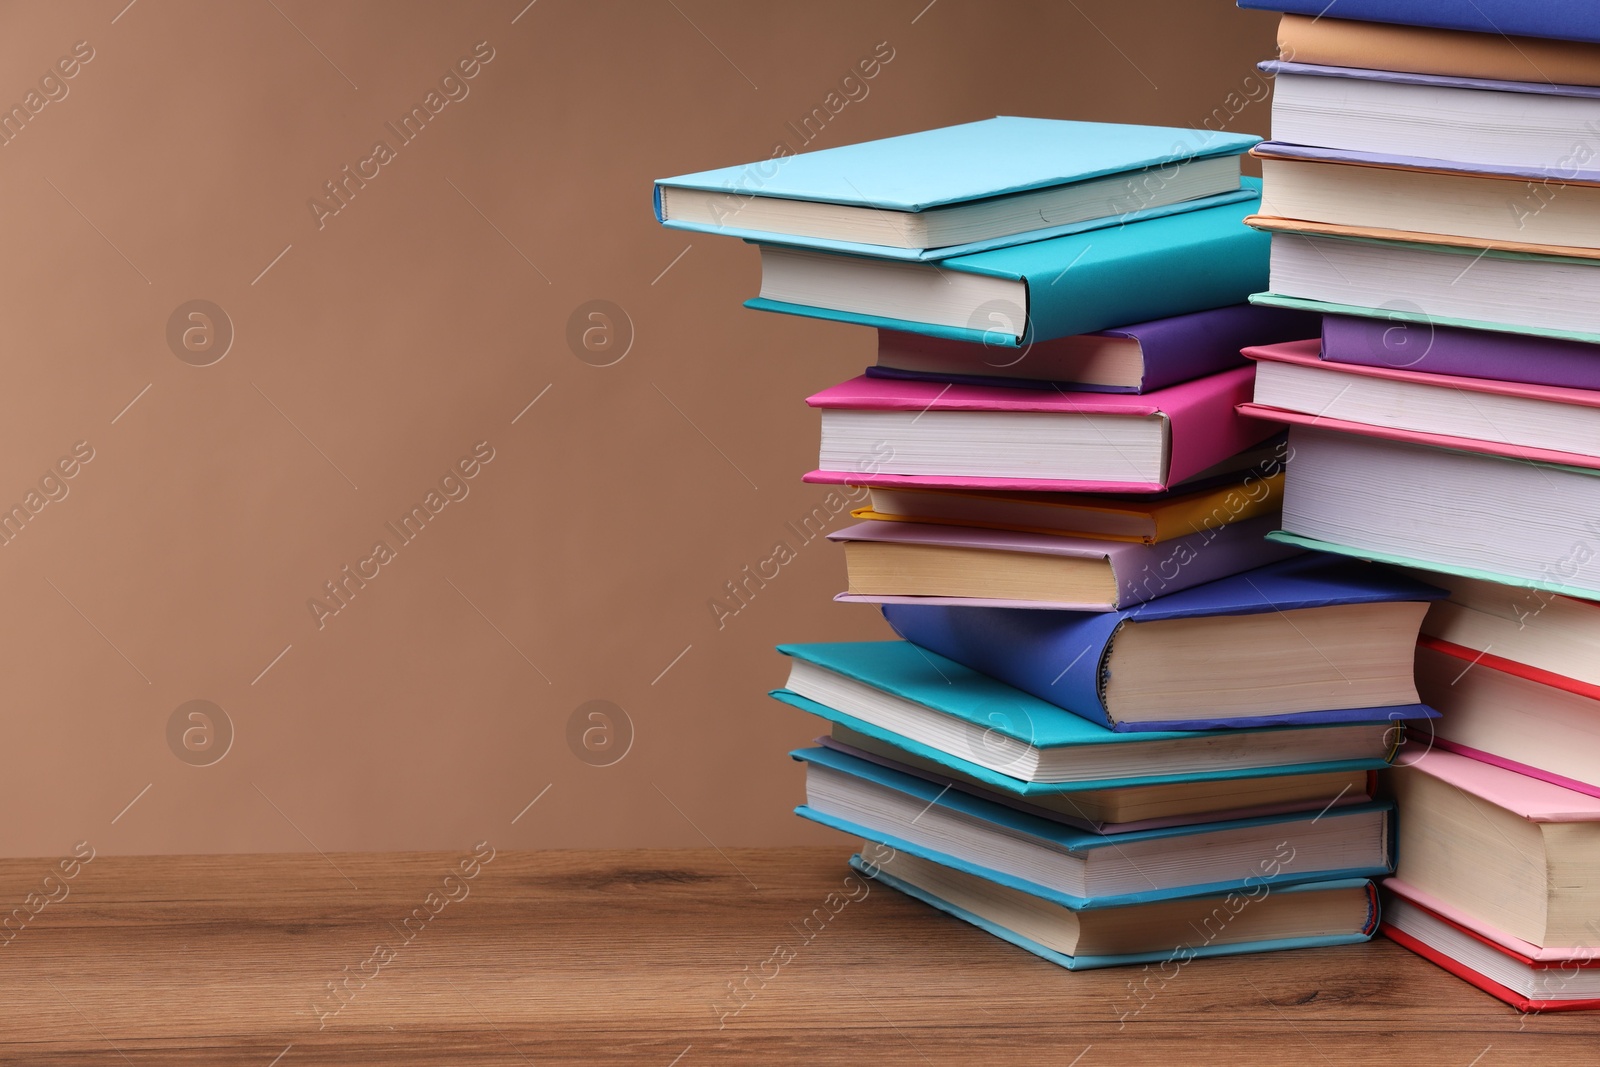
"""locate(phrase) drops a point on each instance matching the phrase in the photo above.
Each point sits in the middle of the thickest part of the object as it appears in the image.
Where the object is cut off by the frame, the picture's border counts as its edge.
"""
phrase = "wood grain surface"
(627, 958)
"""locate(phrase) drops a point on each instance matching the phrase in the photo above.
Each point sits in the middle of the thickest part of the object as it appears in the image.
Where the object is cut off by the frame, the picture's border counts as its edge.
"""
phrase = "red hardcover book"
(1527, 978)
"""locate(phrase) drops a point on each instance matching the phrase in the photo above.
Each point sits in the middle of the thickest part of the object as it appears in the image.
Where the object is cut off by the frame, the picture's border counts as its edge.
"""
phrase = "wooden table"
(627, 957)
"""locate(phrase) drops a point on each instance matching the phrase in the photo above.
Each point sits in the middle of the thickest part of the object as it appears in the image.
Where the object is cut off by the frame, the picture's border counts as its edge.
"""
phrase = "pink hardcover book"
(1488, 787)
(1142, 572)
(1531, 798)
(1543, 423)
(1558, 953)
(1197, 421)
(1524, 769)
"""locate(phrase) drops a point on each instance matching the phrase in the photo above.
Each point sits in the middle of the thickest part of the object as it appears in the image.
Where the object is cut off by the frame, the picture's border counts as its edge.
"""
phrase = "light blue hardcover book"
(1011, 297)
(1080, 868)
(1169, 933)
(938, 710)
(961, 189)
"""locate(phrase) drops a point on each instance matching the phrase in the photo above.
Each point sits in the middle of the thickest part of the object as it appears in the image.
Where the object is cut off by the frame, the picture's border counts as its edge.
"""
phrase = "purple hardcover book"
(1505, 357)
(1283, 66)
(1124, 359)
(1067, 659)
(1141, 572)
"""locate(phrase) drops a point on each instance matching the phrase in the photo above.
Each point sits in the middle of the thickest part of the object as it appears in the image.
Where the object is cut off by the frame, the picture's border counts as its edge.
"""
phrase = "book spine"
(1186, 347)
(1206, 554)
(1055, 656)
(1197, 266)
(1205, 426)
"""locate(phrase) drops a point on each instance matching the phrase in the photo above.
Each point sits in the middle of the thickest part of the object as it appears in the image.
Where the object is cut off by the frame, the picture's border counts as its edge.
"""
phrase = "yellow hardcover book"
(1081, 515)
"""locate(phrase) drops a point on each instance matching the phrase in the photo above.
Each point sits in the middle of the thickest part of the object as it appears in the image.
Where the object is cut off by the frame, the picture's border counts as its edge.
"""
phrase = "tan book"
(1453, 53)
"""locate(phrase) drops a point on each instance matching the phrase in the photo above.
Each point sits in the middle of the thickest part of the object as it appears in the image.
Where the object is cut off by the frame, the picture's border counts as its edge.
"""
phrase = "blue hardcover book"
(1170, 933)
(1216, 655)
(1137, 358)
(936, 709)
(1083, 869)
(961, 189)
(1012, 297)
(1563, 20)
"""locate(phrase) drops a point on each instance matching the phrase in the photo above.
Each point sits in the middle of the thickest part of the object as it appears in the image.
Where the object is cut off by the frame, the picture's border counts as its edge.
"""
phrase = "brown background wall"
(375, 347)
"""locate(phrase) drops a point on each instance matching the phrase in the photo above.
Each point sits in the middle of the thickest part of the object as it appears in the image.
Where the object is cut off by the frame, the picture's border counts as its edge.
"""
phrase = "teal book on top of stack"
(1034, 268)
(937, 194)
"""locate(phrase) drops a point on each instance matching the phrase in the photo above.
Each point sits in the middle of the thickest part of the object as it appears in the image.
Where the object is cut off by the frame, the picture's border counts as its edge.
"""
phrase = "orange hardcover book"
(1421, 50)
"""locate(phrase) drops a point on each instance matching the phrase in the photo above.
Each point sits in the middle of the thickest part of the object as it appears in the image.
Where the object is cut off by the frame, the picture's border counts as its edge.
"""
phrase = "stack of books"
(1433, 189)
(1121, 725)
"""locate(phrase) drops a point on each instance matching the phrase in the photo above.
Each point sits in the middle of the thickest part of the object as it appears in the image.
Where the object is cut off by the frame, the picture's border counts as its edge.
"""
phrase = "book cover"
(1059, 657)
(1175, 350)
(1530, 798)
(1005, 721)
(1068, 838)
(1168, 957)
(1342, 42)
(1142, 572)
(1448, 350)
(1157, 268)
(972, 161)
(1421, 737)
(1304, 353)
(1570, 20)
(1203, 426)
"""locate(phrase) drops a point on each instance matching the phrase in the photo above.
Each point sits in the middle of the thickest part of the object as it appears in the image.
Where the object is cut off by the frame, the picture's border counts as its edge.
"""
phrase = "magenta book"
(878, 431)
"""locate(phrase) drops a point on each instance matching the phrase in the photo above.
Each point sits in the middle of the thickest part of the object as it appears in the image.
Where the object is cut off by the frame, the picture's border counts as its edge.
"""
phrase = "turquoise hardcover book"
(936, 709)
(1081, 868)
(1208, 928)
(1011, 297)
(959, 189)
